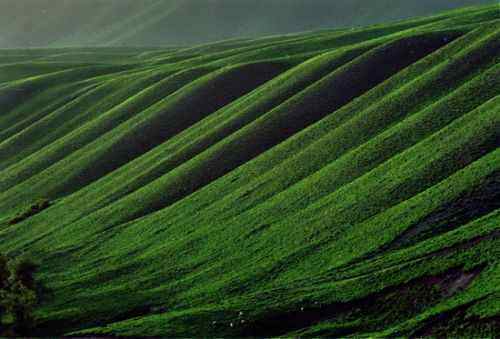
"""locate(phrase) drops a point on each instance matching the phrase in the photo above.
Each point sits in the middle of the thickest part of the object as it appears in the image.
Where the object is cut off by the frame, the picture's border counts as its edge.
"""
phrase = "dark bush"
(34, 209)
(4, 272)
(24, 273)
(18, 296)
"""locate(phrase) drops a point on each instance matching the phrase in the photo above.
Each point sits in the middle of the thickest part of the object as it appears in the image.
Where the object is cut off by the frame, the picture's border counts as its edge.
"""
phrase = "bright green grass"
(333, 183)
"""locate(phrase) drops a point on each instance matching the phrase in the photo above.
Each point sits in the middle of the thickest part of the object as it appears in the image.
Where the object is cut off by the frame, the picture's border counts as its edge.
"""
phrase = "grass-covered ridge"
(282, 186)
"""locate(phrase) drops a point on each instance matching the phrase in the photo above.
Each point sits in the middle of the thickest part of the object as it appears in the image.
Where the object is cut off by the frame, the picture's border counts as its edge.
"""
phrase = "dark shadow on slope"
(472, 205)
(257, 104)
(37, 207)
(102, 318)
(189, 108)
(30, 115)
(60, 327)
(374, 312)
(17, 93)
(309, 106)
(458, 324)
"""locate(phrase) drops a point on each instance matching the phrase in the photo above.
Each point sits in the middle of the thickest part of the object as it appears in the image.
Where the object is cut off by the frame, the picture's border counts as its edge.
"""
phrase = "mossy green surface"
(333, 183)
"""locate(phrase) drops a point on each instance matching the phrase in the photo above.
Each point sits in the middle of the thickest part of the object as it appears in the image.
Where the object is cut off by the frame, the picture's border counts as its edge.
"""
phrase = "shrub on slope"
(34, 209)
(18, 296)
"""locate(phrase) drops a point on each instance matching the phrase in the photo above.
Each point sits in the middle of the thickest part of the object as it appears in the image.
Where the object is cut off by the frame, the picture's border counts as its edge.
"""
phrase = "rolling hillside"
(69, 23)
(332, 183)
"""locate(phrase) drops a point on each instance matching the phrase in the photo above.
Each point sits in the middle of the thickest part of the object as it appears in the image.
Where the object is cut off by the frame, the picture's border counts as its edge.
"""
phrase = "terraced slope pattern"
(337, 183)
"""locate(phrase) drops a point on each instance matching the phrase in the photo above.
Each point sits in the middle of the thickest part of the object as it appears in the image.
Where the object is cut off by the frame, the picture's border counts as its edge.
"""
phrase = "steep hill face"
(331, 183)
(59, 23)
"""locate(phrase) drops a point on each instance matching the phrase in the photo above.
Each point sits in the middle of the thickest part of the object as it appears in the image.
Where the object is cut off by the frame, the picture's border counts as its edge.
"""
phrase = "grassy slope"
(297, 179)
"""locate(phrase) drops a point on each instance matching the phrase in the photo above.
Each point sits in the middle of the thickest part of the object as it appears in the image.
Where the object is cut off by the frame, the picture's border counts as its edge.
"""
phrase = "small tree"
(4, 297)
(18, 296)
(24, 273)
(4, 272)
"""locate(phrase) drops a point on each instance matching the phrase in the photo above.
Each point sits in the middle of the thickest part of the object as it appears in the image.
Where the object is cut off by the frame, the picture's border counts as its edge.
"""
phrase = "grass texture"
(334, 183)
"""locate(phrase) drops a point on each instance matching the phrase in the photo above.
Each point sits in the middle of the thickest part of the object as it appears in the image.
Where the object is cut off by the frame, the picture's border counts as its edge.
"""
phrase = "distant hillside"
(26, 23)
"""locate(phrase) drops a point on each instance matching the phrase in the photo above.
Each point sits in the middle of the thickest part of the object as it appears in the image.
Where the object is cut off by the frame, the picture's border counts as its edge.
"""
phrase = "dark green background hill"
(26, 23)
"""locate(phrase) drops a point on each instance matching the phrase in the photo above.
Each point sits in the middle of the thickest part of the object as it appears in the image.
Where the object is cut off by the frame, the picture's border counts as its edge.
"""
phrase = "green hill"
(333, 183)
(67, 23)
